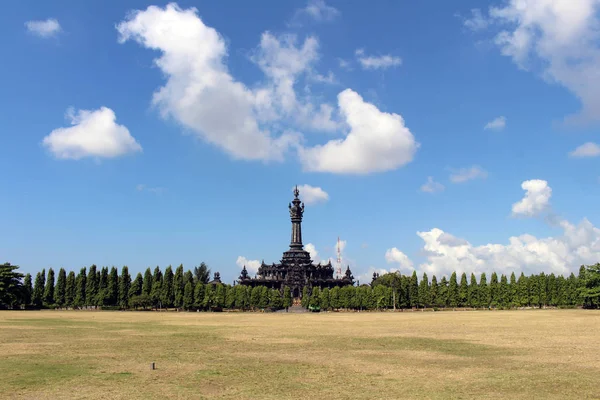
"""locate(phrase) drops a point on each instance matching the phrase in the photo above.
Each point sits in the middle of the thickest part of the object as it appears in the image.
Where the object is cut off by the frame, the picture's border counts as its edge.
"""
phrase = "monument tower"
(296, 269)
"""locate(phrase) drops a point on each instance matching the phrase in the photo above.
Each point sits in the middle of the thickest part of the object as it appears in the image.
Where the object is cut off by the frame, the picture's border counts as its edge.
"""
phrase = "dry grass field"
(542, 354)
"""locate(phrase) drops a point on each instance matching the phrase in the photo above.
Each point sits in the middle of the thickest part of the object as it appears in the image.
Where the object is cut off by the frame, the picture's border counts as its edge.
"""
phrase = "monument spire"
(296, 213)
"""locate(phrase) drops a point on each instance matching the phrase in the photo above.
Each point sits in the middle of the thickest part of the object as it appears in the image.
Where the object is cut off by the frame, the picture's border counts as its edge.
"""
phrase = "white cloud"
(312, 194)
(145, 188)
(377, 62)
(251, 265)
(93, 134)
(344, 64)
(497, 124)
(558, 39)
(44, 29)
(395, 256)
(314, 254)
(536, 199)
(586, 150)
(432, 186)
(200, 93)
(320, 11)
(477, 21)
(467, 174)
(376, 142)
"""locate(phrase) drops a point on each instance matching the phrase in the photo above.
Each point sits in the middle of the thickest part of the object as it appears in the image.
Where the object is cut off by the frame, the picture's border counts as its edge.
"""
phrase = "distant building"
(296, 269)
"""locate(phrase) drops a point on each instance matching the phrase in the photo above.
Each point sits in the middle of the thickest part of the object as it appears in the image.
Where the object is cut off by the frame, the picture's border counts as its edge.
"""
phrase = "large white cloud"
(557, 38)
(376, 142)
(264, 121)
(200, 93)
(536, 199)
(395, 256)
(94, 133)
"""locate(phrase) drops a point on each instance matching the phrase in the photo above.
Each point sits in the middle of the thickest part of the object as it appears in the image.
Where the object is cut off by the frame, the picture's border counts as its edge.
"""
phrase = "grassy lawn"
(485, 354)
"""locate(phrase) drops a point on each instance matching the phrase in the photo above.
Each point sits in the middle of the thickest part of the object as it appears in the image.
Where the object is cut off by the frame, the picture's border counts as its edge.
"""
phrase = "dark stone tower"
(296, 251)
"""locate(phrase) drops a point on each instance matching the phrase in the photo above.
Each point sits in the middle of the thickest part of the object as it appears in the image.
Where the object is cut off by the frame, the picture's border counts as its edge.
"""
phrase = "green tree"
(229, 295)
(70, 287)
(324, 299)
(242, 297)
(109, 287)
(504, 292)
(179, 285)
(202, 273)
(473, 294)
(275, 300)
(11, 288)
(334, 298)
(124, 287)
(80, 285)
(156, 292)
(522, 296)
(453, 291)
(209, 297)
(443, 293)
(287, 297)
(168, 296)
(424, 292)
(434, 292)
(590, 287)
(136, 286)
(61, 287)
(463, 291)
(147, 283)
(91, 287)
(27, 290)
(534, 291)
(494, 293)
(484, 291)
(264, 298)
(188, 296)
(552, 290)
(199, 295)
(315, 298)
(38, 289)
(305, 297)
(255, 297)
(220, 296)
(413, 290)
(49, 289)
(513, 289)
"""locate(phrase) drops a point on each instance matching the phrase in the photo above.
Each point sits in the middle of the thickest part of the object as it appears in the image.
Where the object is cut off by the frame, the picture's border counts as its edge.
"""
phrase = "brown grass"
(106, 355)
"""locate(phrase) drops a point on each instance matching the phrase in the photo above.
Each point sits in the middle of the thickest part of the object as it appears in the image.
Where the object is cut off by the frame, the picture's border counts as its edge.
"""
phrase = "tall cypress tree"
(168, 296)
(503, 292)
(178, 287)
(80, 285)
(413, 290)
(473, 295)
(199, 295)
(156, 291)
(306, 297)
(61, 287)
(91, 287)
(209, 296)
(136, 287)
(104, 295)
(434, 292)
(334, 298)
(275, 300)
(484, 291)
(534, 290)
(188, 296)
(424, 292)
(561, 291)
(522, 297)
(543, 285)
(147, 284)
(494, 299)
(242, 298)
(229, 293)
(38, 290)
(513, 289)
(315, 300)
(27, 290)
(49, 290)
(443, 296)
(453, 291)
(124, 285)
(70, 289)
(551, 288)
(463, 291)
(325, 299)
(220, 293)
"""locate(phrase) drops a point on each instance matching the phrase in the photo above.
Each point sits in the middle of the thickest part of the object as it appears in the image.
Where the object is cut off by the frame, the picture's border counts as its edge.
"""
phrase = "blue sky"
(365, 103)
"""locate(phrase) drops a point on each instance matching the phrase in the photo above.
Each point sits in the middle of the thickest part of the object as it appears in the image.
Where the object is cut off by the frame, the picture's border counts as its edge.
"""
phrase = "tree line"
(105, 288)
